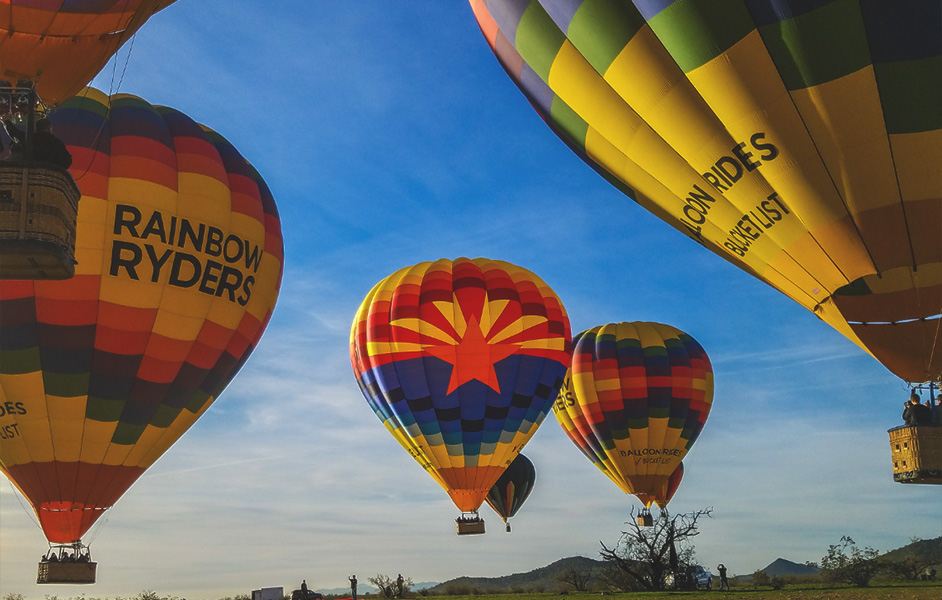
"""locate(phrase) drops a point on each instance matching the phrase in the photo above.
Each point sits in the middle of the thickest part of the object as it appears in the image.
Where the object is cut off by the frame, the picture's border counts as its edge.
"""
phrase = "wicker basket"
(470, 527)
(66, 572)
(38, 210)
(917, 453)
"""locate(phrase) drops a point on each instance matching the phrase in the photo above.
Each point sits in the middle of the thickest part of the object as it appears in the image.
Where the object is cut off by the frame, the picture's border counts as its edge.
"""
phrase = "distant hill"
(780, 567)
(546, 577)
(928, 548)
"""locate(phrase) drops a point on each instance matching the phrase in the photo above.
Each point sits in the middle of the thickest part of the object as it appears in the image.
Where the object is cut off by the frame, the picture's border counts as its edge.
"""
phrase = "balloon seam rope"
(31, 514)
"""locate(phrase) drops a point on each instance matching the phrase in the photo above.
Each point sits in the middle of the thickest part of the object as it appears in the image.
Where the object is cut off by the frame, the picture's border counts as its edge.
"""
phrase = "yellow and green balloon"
(801, 141)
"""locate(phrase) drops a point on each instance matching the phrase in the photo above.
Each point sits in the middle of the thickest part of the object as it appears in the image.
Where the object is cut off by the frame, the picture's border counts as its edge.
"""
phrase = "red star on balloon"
(472, 357)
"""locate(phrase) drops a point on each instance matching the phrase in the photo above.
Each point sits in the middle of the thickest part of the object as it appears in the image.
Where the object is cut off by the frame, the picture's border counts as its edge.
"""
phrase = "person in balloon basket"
(46, 147)
(916, 413)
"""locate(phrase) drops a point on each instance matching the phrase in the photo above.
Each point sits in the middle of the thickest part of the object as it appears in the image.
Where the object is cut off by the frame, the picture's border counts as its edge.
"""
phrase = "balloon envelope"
(179, 256)
(800, 141)
(634, 402)
(512, 488)
(62, 44)
(666, 492)
(461, 360)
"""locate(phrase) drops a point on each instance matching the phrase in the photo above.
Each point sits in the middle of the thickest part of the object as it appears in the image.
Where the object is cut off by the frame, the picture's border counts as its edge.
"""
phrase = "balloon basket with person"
(470, 523)
(37, 225)
(916, 446)
(67, 563)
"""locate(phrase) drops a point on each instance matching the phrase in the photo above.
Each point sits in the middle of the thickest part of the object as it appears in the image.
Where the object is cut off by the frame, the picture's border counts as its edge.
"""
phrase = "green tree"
(643, 553)
(846, 563)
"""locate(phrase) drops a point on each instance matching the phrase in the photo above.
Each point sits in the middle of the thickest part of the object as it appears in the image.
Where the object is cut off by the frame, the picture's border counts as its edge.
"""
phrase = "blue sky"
(390, 135)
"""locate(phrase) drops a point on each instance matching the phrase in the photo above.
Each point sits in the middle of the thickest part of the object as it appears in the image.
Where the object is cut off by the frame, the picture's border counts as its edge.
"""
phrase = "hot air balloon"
(634, 401)
(461, 361)
(801, 141)
(512, 489)
(179, 265)
(60, 45)
(49, 50)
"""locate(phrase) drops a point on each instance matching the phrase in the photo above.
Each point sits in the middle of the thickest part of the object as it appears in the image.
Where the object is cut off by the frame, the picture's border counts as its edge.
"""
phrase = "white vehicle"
(694, 578)
(270, 593)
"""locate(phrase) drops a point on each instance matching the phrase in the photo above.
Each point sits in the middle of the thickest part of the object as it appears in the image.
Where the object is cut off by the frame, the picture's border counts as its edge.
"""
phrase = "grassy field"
(875, 592)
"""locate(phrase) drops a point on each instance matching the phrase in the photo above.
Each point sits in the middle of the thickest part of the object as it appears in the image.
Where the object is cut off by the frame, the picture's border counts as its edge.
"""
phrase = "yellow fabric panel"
(38, 439)
(97, 440)
(91, 222)
(181, 313)
(145, 195)
(746, 105)
(196, 190)
(223, 312)
(66, 438)
(115, 454)
(266, 278)
(831, 315)
(144, 445)
(14, 451)
(851, 138)
(66, 408)
(27, 388)
(649, 81)
(215, 209)
(920, 176)
(125, 291)
(579, 86)
(247, 227)
(805, 253)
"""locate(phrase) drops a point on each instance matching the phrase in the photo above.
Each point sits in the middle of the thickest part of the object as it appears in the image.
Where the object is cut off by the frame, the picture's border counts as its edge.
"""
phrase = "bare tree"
(647, 554)
(577, 576)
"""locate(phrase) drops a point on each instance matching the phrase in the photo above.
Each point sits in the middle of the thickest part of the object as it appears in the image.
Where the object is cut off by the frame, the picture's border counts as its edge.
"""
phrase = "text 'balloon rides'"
(180, 257)
(634, 402)
(461, 360)
(60, 45)
(800, 141)
(512, 488)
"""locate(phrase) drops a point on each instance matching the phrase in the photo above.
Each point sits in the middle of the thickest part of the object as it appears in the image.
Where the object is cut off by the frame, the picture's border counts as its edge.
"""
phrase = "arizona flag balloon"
(461, 360)
(60, 45)
(179, 256)
(799, 140)
(634, 402)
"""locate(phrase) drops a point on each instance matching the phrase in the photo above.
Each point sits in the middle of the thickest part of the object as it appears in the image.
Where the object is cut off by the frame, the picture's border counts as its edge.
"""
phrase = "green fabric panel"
(659, 413)
(904, 109)
(695, 34)
(197, 401)
(570, 126)
(808, 50)
(164, 416)
(676, 423)
(638, 423)
(107, 411)
(81, 102)
(600, 29)
(20, 362)
(538, 40)
(67, 385)
(127, 434)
